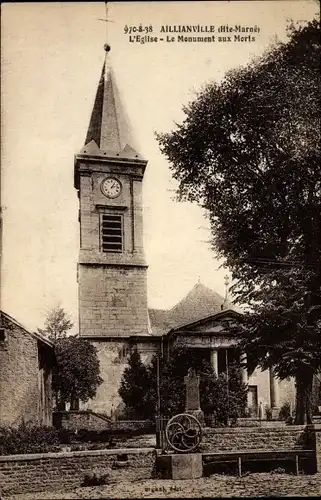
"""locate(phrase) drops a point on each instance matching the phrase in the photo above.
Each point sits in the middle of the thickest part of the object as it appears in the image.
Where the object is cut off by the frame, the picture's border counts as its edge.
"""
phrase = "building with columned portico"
(112, 269)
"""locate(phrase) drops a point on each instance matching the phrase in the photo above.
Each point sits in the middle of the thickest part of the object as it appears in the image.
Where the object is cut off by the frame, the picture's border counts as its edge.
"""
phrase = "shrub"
(40, 439)
(28, 439)
(91, 436)
(285, 411)
(221, 397)
(67, 436)
(268, 413)
(93, 480)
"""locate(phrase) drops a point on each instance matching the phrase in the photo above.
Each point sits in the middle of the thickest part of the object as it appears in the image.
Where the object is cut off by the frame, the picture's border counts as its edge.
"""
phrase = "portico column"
(243, 368)
(274, 389)
(214, 360)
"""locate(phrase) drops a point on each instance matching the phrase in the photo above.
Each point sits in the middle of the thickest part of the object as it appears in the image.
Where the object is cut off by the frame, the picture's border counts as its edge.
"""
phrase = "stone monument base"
(179, 466)
(197, 414)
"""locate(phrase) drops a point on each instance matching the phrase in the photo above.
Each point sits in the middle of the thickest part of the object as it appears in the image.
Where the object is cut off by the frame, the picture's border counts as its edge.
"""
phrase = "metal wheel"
(183, 433)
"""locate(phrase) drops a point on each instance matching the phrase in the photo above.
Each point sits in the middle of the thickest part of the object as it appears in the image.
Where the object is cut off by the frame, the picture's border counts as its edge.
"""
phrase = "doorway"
(252, 400)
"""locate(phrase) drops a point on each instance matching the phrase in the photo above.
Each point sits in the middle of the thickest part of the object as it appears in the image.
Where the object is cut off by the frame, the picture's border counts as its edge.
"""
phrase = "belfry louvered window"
(111, 233)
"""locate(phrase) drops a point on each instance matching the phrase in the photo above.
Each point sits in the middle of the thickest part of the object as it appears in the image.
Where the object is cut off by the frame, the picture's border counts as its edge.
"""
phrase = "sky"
(52, 55)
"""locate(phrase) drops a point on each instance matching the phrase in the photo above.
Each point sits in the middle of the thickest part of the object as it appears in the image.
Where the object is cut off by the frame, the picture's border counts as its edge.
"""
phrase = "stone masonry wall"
(112, 365)
(113, 357)
(290, 437)
(129, 202)
(112, 300)
(261, 380)
(50, 471)
(287, 392)
(19, 378)
(75, 420)
(112, 285)
(317, 445)
(286, 388)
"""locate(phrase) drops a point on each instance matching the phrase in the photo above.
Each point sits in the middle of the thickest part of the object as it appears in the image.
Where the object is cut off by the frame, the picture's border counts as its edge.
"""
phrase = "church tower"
(112, 279)
(112, 271)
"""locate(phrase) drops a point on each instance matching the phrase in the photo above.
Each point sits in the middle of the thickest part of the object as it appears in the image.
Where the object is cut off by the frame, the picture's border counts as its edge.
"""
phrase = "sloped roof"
(158, 322)
(37, 335)
(199, 303)
(109, 132)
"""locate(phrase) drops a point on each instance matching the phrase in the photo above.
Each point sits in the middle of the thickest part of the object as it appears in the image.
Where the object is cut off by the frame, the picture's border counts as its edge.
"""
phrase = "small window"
(3, 339)
(111, 233)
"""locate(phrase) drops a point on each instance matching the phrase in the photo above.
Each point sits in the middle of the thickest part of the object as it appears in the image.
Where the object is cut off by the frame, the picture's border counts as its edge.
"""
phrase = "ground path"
(253, 485)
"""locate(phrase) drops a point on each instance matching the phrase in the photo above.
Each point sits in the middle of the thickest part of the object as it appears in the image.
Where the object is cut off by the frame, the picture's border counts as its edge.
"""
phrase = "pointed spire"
(109, 130)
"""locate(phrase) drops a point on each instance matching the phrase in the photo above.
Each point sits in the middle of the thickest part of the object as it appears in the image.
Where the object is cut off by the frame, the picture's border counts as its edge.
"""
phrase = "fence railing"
(161, 424)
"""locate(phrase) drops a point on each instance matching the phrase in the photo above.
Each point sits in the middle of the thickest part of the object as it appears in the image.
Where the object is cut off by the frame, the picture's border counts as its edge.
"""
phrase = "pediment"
(217, 323)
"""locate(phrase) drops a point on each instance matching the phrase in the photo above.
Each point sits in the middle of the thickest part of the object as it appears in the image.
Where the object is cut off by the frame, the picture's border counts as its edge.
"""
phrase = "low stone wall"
(252, 438)
(49, 471)
(75, 420)
(254, 422)
(91, 421)
(132, 425)
(316, 439)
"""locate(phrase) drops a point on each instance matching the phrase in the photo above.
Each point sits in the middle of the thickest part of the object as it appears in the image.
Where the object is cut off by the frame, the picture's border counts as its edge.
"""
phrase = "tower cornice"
(86, 165)
(109, 159)
(130, 259)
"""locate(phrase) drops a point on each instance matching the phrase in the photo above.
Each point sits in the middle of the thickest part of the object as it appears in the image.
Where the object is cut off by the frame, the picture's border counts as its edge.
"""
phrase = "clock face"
(111, 187)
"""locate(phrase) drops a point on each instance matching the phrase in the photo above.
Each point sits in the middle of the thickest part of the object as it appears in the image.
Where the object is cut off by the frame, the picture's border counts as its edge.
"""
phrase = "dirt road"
(255, 485)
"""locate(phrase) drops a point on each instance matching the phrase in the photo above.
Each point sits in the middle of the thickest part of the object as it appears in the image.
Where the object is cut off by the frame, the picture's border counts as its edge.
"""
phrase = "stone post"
(214, 360)
(315, 428)
(244, 375)
(192, 402)
(243, 369)
(192, 382)
(274, 394)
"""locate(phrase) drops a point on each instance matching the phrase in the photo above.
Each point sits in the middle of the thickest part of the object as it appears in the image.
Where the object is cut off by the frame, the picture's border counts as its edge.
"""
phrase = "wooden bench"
(257, 455)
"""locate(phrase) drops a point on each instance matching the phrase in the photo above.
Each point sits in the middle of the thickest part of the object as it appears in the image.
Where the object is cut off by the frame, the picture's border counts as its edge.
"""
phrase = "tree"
(248, 151)
(283, 312)
(134, 386)
(76, 375)
(219, 397)
(57, 324)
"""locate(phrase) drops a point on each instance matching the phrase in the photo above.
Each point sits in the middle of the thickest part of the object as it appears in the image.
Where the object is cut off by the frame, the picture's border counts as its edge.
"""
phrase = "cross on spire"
(106, 20)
